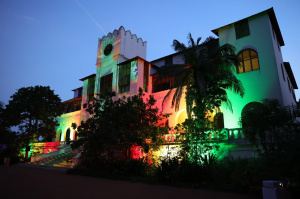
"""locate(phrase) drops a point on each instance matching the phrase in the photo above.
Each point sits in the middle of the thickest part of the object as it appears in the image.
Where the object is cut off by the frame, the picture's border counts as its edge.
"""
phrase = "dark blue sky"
(54, 42)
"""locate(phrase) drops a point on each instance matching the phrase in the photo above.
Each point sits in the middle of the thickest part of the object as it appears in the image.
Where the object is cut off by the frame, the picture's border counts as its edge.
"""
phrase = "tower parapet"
(120, 45)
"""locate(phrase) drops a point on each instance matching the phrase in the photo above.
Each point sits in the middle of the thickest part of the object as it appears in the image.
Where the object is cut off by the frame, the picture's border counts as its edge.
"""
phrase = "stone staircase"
(60, 158)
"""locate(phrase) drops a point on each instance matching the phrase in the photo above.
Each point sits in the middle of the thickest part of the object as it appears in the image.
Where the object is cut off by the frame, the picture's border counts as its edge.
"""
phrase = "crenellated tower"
(113, 49)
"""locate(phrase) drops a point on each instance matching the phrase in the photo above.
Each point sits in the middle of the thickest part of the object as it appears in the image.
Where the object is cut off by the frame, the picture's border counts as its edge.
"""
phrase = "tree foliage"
(117, 125)
(33, 110)
(9, 145)
(209, 71)
(270, 127)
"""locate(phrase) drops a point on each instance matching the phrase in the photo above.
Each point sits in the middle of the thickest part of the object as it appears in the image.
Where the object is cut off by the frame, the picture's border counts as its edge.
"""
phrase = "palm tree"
(208, 72)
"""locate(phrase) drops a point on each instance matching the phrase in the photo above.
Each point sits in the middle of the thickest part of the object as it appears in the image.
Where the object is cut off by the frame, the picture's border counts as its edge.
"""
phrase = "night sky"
(54, 42)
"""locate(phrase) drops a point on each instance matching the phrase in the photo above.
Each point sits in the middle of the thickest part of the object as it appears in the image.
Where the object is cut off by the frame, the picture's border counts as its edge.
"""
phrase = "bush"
(184, 173)
(132, 167)
(230, 174)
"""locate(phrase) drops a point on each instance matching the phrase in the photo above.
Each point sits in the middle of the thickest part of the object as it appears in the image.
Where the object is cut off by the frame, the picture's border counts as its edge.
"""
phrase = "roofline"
(166, 56)
(87, 77)
(137, 58)
(177, 53)
(174, 65)
(289, 71)
(272, 18)
(77, 88)
(72, 100)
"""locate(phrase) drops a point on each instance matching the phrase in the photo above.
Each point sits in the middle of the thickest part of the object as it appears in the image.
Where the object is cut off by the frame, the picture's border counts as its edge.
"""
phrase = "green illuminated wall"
(258, 84)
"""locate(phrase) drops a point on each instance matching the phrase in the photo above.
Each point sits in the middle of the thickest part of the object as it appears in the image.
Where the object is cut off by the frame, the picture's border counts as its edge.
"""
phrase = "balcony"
(234, 135)
(71, 105)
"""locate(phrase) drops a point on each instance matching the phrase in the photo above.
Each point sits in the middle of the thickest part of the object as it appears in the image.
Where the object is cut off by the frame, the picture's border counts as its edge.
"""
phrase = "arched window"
(67, 138)
(249, 61)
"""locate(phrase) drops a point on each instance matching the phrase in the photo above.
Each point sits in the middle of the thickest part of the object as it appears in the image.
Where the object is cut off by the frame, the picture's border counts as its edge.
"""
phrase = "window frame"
(242, 29)
(250, 59)
(124, 79)
(106, 83)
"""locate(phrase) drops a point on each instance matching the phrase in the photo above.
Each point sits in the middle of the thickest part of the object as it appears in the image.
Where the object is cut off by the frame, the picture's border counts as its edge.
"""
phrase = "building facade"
(121, 65)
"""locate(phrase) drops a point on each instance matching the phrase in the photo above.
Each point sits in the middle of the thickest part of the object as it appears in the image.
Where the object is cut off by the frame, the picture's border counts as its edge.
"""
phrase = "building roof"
(289, 71)
(77, 88)
(136, 58)
(87, 77)
(166, 56)
(273, 20)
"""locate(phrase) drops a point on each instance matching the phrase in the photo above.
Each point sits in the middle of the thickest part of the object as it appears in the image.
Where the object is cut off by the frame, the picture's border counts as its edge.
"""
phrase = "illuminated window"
(106, 83)
(249, 61)
(241, 29)
(124, 78)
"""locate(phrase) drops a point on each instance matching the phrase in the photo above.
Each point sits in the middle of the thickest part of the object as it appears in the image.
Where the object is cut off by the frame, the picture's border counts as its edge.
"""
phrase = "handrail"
(226, 134)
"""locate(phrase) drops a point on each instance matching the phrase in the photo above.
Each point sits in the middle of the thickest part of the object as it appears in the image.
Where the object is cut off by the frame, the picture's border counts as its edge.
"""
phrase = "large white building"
(122, 66)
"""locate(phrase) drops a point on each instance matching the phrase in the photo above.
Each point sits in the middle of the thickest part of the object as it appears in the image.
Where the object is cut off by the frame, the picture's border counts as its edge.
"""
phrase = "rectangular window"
(91, 85)
(162, 85)
(106, 83)
(241, 29)
(124, 78)
(146, 76)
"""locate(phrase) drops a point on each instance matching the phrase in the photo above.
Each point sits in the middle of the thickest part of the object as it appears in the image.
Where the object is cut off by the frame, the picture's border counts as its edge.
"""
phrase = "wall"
(287, 96)
(258, 84)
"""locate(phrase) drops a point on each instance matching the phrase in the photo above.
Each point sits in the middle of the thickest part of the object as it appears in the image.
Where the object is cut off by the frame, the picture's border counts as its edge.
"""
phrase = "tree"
(119, 125)
(34, 111)
(270, 127)
(209, 71)
(9, 145)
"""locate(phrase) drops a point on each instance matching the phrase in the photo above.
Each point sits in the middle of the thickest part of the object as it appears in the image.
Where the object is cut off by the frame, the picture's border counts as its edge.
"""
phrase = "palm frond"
(211, 72)
(230, 82)
(191, 41)
(177, 97)
(228, 103)
(167, 97)
(198, 40)
(178, 46)
(189, 101)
